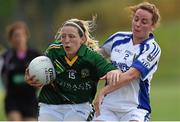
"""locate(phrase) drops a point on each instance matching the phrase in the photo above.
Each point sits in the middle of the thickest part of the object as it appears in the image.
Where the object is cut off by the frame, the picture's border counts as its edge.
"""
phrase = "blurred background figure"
(20, 99)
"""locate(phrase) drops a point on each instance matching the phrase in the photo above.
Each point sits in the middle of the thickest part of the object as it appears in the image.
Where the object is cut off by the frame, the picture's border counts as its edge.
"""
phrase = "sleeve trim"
(139, 66)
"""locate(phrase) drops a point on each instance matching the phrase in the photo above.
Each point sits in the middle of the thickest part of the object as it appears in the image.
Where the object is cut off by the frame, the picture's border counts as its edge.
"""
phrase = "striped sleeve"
(55, 44)
(107, 46)
(147, 61)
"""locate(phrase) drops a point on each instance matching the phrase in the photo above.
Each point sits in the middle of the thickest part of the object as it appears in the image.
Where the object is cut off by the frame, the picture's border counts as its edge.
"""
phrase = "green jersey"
(76, 80)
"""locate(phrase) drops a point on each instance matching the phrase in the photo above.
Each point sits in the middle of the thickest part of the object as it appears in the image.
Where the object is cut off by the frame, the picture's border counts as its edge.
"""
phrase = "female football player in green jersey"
(78, 68)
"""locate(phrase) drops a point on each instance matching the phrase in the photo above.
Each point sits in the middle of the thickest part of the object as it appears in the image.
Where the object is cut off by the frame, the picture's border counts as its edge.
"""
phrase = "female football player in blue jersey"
(78, 69)
(136, 54)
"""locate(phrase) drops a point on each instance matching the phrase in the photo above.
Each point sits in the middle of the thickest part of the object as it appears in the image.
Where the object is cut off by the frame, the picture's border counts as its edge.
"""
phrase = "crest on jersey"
(84, 73)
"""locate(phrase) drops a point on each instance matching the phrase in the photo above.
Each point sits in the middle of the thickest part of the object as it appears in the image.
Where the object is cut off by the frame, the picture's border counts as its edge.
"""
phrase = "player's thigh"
(46, 113)
(106, 115)
(78, 112)
(74, 116)
(140, 115)
(48, 117)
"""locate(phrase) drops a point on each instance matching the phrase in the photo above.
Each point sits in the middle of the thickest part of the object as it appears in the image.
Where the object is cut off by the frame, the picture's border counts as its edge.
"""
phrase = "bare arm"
(124, 79)
(115, 82)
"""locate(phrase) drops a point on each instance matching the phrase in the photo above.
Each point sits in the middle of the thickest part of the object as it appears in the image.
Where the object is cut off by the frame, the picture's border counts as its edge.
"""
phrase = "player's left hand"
(112, 77)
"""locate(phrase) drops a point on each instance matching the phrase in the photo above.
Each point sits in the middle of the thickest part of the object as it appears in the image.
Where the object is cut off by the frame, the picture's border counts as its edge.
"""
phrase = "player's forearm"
(111, 88)
(106, 90)
(125, 78)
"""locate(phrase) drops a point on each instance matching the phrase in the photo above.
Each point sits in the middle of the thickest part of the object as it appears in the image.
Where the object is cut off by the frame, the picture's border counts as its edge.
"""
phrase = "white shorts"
(140, 115)
(65, 112)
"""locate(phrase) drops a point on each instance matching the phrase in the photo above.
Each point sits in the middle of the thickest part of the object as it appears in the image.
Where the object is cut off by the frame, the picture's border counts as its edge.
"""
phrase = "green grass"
(2, 114)
(165, 93)
(165, 102)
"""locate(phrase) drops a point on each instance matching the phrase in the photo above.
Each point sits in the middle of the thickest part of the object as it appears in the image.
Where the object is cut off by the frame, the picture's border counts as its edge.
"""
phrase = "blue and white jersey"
(124, 55)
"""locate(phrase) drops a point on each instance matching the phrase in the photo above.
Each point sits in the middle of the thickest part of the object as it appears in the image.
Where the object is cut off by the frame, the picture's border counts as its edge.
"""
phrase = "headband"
(73, 23)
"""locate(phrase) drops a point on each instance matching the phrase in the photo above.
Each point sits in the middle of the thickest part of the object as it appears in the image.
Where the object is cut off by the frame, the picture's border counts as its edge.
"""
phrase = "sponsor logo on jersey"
(82, 86)
(117, 50)
(150, 57)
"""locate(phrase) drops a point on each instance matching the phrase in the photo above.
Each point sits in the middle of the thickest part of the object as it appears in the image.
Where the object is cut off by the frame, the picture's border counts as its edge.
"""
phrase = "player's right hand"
(112, 77)
(31, 80)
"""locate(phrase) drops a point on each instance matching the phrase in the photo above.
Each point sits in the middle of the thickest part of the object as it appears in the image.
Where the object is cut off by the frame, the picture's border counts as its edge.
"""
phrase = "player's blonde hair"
(150, 8)
(84, 29)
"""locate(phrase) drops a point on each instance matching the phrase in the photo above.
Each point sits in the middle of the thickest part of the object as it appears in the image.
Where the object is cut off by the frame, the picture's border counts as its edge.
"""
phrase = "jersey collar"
(151, 36)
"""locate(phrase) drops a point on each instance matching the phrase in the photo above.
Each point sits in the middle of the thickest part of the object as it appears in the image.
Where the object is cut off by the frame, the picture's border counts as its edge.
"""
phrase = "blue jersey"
(124, 55)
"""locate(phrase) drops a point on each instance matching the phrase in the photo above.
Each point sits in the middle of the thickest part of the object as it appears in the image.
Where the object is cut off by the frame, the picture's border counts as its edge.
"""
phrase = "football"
(42, 68)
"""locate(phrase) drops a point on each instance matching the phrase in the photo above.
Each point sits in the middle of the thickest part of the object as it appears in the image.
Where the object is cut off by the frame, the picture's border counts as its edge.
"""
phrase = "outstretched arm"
(124, 79)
